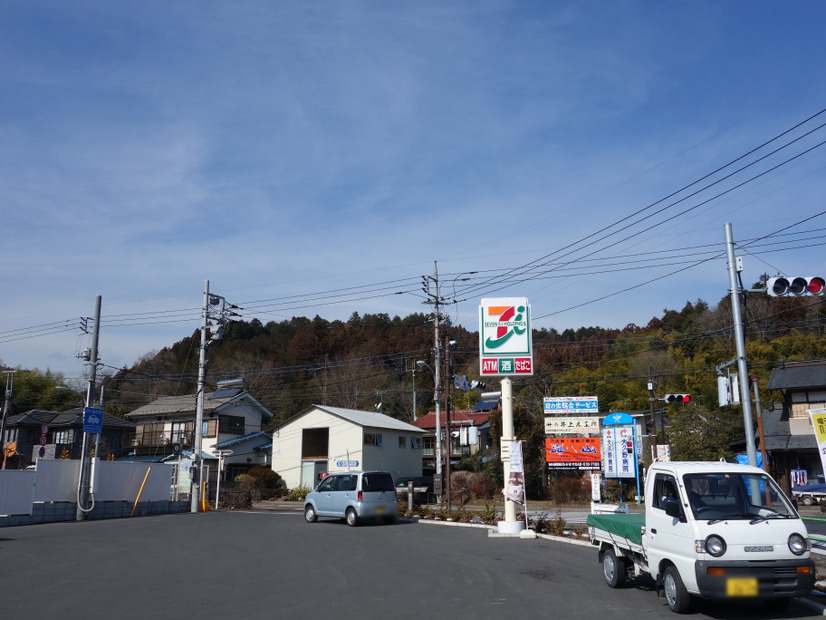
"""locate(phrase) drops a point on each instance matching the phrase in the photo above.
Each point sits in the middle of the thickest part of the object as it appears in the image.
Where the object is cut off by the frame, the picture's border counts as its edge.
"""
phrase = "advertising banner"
(618, 444)
(570, 404)
(585, 425)
(819, 426)
(572, 452)
(516, 479)
(505, 341)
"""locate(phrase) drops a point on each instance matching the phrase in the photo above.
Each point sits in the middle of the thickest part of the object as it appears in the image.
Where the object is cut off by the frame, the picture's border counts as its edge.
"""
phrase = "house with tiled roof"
(233, 422)
(468, 429)
(324, 439)
(787, 425)
(51, 434)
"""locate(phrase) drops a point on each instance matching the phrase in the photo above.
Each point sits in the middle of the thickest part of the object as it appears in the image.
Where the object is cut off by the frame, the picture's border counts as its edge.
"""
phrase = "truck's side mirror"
(672, 508)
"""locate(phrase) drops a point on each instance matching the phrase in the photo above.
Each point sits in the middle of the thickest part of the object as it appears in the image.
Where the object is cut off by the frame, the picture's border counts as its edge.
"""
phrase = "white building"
(328, 439)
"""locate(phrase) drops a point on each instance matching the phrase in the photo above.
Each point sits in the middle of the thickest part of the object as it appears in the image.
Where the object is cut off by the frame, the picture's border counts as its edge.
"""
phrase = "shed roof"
(371, 419)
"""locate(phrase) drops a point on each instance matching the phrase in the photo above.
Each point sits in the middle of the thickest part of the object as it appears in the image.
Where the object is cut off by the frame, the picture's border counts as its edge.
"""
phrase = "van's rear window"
(377, 482)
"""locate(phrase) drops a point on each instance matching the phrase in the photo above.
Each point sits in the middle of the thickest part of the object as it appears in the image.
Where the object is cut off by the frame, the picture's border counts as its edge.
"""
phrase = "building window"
(402, 441)
(373, 439)
(62, 436)
(803, 401)
(428, 445)
(415, 443)
(210, 428)
(231, 424)
(182, 432)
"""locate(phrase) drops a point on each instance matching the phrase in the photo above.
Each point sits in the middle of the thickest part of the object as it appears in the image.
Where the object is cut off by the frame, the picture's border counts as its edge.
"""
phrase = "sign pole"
(507, 438)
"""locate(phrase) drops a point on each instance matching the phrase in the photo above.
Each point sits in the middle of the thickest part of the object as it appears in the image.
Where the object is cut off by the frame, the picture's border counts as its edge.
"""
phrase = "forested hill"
(369, 360)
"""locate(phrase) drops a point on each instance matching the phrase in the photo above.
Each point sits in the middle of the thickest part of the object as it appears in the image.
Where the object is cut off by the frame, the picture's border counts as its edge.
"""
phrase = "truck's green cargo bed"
(625, 525)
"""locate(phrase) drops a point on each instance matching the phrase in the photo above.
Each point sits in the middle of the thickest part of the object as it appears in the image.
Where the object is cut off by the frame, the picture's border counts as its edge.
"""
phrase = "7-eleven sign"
(505, 344)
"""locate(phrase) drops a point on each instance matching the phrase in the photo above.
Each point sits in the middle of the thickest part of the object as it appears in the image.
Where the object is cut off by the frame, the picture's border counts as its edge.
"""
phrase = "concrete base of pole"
(510, 527)
(527, 534)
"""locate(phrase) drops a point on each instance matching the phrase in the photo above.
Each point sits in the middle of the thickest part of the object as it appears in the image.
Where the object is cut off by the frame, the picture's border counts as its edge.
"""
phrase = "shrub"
(298, 494)
(484, 487)
(236, 500)
(569, 490)
(265, 478)
(542, 524)
(460, 485)
(245, 481)
(489, 514)
(556, 526)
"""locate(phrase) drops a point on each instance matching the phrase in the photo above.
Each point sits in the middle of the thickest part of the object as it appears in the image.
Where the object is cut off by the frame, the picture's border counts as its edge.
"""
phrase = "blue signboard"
(570, 404)
(92, 420)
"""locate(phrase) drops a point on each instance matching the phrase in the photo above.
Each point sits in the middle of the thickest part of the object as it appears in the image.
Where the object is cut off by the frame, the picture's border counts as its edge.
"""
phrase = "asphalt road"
(266, 564)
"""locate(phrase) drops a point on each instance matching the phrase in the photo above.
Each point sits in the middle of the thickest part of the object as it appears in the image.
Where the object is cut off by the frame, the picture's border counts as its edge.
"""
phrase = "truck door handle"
(653, 531)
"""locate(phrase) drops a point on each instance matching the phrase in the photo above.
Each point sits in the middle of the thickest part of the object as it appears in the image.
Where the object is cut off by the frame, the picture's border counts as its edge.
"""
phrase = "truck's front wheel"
(678, 598)
(613, 569)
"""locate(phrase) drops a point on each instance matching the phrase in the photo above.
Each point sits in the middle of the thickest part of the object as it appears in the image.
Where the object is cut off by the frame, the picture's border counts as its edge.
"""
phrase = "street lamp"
(438, 418)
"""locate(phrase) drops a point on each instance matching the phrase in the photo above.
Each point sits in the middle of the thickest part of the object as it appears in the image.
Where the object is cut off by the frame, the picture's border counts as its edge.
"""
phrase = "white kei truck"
(712, 530)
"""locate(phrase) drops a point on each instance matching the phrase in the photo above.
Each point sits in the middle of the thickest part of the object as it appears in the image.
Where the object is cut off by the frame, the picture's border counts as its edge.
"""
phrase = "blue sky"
(299, 155)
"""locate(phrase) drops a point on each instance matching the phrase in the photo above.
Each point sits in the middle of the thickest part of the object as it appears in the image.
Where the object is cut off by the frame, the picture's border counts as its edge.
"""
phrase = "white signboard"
(505, 342)
(619, 460)
(570, 404)
(583, 425)
(596, 494)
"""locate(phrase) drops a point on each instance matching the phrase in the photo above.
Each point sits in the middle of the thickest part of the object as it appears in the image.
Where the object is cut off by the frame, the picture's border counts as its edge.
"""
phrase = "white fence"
(57, 481)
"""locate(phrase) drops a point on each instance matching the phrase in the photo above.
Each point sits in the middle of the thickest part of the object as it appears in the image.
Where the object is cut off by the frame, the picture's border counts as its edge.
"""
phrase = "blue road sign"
(92, 420)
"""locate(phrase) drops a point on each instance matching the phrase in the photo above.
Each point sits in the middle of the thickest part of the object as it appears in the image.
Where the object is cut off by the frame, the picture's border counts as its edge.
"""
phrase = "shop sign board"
(505, 341)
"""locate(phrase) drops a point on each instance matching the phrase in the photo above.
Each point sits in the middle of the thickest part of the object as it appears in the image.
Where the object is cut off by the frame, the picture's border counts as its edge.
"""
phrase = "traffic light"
(629, 447)
(678, 398)
(795, 287)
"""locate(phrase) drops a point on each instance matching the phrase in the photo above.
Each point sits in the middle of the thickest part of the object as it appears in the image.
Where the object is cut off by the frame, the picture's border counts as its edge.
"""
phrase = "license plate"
(741, 586)
(379, 510)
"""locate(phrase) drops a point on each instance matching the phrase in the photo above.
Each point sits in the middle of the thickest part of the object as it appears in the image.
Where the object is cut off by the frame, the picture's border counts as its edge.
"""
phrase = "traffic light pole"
(740, 342)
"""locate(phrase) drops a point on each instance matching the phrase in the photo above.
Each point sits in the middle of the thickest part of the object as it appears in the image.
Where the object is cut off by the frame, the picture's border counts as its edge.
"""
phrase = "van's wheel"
(613, 569)
(678, 598)
(351, 517)
(309, 514)
(808, 500)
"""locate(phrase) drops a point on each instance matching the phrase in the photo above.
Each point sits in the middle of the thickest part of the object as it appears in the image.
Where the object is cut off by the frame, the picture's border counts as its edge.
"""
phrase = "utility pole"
(195, 491)
(6, 407)
(754, 380)
(216, 309)
(414, 390)
(740, 341)
(651, 400)
(448, 403)
(435, 299)
(83, 490)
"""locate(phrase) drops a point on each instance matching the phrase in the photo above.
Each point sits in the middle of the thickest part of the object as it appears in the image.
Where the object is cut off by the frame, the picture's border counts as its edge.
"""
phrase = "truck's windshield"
(753, 497)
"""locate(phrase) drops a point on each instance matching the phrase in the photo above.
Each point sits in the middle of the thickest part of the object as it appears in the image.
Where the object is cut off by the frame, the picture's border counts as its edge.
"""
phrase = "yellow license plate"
(379, 510)
(741, 586)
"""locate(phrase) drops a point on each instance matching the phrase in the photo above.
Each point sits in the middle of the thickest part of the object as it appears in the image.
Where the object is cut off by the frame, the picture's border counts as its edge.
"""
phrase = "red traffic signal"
(678, 398)
(795, 287)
